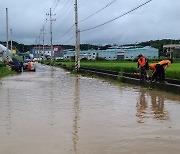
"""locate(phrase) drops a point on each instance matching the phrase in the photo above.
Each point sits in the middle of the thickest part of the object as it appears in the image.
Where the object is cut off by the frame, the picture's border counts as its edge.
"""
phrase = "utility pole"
(43, 33)
(51, 20)
(78, 49)
(39, 53)
(36, 51)
(11, 39)
(7, 30)
(77, 61)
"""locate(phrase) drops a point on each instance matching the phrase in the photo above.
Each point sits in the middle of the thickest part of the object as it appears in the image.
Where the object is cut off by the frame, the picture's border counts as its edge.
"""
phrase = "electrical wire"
(110, 3)
(53, 4)
(117, 17)
(69, 40)
(62, 9)
(81, 4)
(67, 31)
(68, 7)
(56, 5)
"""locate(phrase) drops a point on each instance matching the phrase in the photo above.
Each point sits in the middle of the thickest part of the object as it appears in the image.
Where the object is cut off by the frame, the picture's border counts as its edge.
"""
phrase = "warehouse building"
(122, 53)
(37, 51)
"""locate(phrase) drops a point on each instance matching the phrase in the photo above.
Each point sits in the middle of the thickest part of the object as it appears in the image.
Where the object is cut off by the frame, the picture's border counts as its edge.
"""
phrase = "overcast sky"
(159, 19)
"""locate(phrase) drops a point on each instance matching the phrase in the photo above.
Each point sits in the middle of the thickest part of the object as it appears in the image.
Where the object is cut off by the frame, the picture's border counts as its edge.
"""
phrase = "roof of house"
(171, 46)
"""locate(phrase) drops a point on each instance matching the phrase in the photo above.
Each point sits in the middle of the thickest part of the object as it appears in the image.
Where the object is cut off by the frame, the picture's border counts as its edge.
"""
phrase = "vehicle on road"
(29, 65)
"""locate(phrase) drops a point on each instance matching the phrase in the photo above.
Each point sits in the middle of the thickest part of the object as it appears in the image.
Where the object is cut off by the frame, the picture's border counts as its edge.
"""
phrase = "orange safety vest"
(29, 65)
(152, 66)
(165, 62)
(142, 62)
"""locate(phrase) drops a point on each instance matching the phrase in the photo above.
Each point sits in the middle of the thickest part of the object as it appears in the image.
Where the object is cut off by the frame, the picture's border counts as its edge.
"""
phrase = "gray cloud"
(157, 20)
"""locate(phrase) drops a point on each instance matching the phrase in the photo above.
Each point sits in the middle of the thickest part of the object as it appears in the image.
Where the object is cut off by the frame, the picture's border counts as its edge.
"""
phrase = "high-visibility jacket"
(29, 66)
(152, 66)
(165, 62)
(142, 61)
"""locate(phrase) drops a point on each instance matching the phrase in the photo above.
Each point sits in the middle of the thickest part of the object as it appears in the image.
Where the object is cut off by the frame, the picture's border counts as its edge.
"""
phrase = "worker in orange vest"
(159, 70)
(155, 72)
(29, 66)
(165, 63)
(163, 66)
(143, 67)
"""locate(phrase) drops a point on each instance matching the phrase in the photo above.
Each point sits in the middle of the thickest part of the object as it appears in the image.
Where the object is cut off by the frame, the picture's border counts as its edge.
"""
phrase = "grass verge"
(4, 71)
(172, 72)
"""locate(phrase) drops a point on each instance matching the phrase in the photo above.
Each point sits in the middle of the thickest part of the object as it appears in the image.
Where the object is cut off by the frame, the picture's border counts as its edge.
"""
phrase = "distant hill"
(153, 43)
(19, 47)
(159, 43)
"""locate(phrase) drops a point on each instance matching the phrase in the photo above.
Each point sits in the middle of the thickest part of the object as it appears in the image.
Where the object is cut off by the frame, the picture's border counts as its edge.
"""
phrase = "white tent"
(5, 53)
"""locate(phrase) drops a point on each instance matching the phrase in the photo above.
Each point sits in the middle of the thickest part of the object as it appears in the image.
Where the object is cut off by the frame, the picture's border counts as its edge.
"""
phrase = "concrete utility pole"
(51, 20)
(11, 39)
(39, 53)
(51, 35)
(7, 30)
(36, 51)
(78, 49)
(77, 61)
(43, 33)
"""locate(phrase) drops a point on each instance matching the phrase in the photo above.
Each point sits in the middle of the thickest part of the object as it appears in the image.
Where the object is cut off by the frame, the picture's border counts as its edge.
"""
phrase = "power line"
(62, 9)
(64, 17)
(68, 31)
(81, 4)
(56, 5)
(69, 39)
(68, 7)
(53, 4)
(117, 17)
(64, 21)
(98, 11)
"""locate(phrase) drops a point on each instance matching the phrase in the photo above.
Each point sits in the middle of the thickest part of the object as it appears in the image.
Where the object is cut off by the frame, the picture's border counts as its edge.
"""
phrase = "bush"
(2, 64)
(4, 71)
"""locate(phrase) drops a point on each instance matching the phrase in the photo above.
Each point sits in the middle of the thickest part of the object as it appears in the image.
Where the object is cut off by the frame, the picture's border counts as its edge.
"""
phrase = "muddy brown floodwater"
(54, 112)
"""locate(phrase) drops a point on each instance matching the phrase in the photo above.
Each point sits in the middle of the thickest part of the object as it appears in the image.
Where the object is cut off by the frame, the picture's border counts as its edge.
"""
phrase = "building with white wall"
(123, 53)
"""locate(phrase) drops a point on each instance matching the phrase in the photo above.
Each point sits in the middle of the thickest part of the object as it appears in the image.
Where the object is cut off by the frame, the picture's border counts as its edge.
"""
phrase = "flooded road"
(54, 112)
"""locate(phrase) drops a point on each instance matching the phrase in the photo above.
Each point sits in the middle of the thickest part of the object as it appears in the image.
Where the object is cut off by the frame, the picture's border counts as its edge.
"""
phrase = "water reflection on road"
(52, 111)
(76, 115)
(157, 108)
